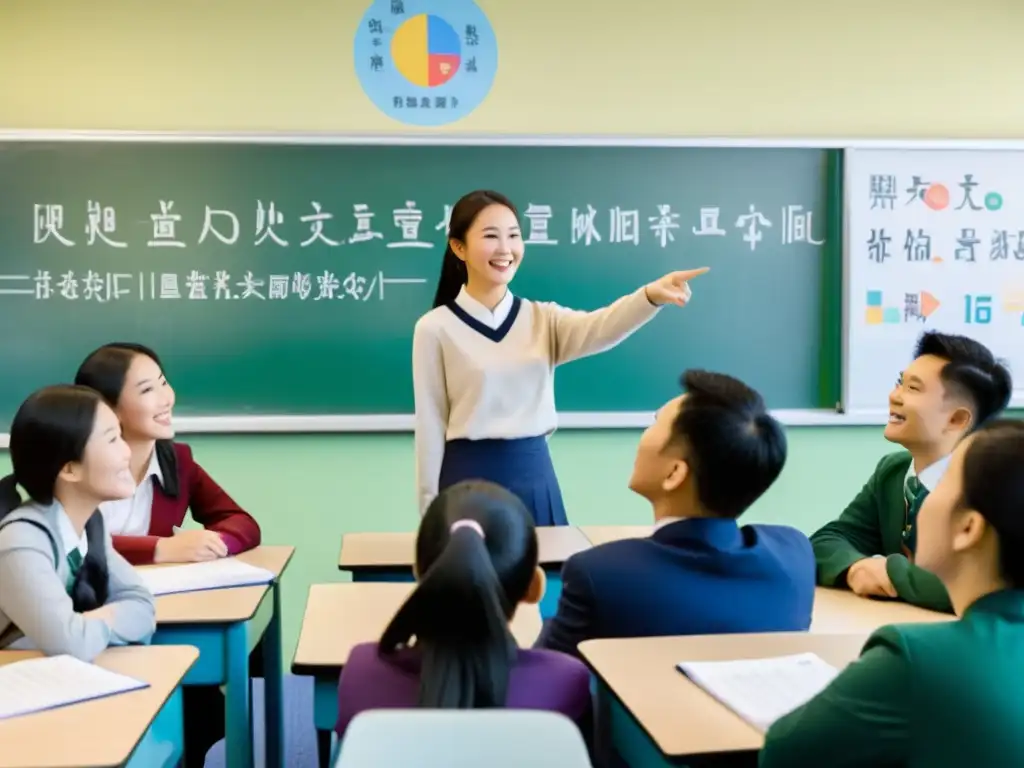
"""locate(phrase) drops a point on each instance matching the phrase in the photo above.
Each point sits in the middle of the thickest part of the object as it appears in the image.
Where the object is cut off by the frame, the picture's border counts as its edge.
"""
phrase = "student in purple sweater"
(476, 561)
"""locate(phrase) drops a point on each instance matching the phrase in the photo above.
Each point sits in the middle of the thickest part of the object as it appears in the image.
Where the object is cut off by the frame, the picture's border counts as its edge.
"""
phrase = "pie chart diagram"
(426, 50)
(425, 62)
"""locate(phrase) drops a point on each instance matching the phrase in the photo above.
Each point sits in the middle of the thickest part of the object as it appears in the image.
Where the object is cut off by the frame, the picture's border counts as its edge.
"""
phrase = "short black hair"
(734, 447)
(971, 373)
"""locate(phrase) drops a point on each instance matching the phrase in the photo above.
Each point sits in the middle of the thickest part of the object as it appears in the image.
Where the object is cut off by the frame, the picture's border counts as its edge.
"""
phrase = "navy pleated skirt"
(523, 466)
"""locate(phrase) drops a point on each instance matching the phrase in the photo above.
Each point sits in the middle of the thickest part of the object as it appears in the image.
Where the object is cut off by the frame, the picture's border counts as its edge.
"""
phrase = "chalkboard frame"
(837, 236)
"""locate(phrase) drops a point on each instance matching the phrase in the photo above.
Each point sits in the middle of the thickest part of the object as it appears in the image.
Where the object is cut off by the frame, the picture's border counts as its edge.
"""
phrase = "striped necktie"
(74, 564)
(914, 494)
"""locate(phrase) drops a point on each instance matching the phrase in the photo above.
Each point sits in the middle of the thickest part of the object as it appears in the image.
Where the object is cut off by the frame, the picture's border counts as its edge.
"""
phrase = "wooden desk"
(839, 611)
(390, 556)
(657, 717)
(602, 534)
(340, 616)
(226, 625)
(142, 729)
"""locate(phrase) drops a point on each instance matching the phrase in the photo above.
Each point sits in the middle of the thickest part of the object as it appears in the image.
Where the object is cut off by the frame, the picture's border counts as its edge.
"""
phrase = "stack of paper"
(193, 577)
(762, 690)
(43, 683)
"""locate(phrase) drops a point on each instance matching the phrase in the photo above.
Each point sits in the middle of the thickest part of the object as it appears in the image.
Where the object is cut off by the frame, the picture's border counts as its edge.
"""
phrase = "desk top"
(339, 616)
(222, 606)
(397, 550)
(839, 611)
(676, 713)
(602, 534)
(103, 732)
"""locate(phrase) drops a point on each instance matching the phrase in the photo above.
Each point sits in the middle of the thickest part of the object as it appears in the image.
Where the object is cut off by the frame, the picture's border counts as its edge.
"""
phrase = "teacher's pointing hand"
(673, 288)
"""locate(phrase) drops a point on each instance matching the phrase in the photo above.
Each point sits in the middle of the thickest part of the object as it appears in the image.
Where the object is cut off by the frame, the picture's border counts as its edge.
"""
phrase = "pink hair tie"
(466, 523)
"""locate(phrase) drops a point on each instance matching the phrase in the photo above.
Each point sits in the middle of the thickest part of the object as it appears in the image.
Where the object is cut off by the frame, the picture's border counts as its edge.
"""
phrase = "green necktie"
(914, 493)
(74, 563)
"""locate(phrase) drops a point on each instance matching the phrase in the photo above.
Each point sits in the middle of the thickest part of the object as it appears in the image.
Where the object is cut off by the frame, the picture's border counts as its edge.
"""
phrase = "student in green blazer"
(944, 694)
(953, 386)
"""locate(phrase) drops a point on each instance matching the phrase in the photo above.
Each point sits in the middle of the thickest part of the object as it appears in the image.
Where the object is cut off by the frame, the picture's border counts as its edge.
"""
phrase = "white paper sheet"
(193, 577)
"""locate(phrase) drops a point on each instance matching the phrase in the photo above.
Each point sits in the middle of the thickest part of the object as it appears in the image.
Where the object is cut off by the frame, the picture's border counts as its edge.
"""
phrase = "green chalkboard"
(166, 243)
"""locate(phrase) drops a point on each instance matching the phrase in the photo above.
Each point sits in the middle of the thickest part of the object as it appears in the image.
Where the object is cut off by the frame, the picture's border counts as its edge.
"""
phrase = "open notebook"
(34, 685)
(193, 577)
(762, 690)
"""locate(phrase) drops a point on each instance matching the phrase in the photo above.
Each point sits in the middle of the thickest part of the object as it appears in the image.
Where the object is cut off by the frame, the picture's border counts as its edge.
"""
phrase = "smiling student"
(484, 360)
(168, 480)
(940, 694)
(63, 587)
(953, 386)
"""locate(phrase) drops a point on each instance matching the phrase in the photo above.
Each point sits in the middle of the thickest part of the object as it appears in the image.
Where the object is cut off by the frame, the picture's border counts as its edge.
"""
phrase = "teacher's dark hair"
(993, 485)
(453, 269)
(469, 586)
(106, 370)
(50, 430)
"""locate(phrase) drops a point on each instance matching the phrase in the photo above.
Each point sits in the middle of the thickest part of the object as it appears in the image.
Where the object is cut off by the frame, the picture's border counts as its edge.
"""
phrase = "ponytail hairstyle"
(453, 269)
(106, 370)
(993, 485)
(476, 557)
(49, 431)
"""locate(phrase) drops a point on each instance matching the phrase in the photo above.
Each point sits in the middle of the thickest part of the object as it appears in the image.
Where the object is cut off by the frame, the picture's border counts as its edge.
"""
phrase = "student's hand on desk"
(190, 547)
(869, 578)
(673, 288)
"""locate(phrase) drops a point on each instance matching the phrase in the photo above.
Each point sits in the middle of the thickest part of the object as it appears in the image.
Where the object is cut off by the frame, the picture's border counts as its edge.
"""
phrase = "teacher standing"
(484, 360)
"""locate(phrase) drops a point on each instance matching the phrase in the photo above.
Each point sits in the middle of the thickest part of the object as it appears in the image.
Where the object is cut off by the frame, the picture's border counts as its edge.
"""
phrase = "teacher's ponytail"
(10, 498)
(453, 269)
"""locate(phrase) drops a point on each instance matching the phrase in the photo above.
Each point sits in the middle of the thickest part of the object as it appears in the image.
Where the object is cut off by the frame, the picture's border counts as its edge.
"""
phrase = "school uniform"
(40, 557)
(539, 680)
(881, 521)
(484, 390)
(700, 576)
(173, 484)
(932, 695)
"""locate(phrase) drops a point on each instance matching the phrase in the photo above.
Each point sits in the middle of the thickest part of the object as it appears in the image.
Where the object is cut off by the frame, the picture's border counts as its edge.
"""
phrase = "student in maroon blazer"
(476, 561)
(169, 482)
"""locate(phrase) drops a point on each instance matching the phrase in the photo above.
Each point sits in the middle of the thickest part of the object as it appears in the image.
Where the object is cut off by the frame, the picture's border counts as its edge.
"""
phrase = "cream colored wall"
(675, 67)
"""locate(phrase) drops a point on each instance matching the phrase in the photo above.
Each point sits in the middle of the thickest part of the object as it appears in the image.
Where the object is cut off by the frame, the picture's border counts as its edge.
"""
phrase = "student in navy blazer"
(709, 455)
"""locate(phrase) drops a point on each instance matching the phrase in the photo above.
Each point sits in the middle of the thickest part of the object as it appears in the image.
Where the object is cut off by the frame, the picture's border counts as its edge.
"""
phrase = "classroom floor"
(299, 734)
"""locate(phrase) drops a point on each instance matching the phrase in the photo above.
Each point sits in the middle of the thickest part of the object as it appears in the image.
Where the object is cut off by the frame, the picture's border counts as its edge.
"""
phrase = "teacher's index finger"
(689, 274)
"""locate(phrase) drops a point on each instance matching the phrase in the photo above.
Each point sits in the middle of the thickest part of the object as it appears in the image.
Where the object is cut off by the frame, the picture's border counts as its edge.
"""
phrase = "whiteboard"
(934, 240)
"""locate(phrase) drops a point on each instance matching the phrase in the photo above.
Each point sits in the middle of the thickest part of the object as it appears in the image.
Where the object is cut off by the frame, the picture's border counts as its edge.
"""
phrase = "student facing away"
(483, 360)
(64, 589)
(169, 481)
(945, 694)
(476, 561)
(710, 454)
(953, 386)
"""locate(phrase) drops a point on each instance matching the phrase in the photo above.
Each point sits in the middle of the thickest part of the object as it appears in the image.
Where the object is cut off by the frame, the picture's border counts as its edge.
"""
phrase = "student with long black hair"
(948, 693)
(63, 587)
(169, 481)
(484, 360)
(476, 561)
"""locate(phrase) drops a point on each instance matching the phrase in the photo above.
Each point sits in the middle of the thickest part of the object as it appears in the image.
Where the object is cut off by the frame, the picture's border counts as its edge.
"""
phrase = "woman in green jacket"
(948, 693)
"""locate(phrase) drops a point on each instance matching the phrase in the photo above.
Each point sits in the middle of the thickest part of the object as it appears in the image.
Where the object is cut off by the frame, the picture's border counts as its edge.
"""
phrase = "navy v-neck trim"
(494, 334)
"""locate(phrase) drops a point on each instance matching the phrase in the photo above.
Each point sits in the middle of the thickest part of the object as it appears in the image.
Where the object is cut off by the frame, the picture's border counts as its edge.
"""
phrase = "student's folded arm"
(861, 719)
(853, 536)
(133, 604)
(430, 395)
(579, 334)
(35, 600)
(137, 550)
(917, 586)
(215, 510)
(573, 622)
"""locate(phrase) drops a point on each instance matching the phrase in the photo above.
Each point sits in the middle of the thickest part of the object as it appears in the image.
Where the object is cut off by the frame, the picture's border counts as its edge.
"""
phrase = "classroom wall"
(655, 67)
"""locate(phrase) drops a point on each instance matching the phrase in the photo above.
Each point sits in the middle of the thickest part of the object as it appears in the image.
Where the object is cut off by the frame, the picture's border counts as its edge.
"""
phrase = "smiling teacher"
(484, 360)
